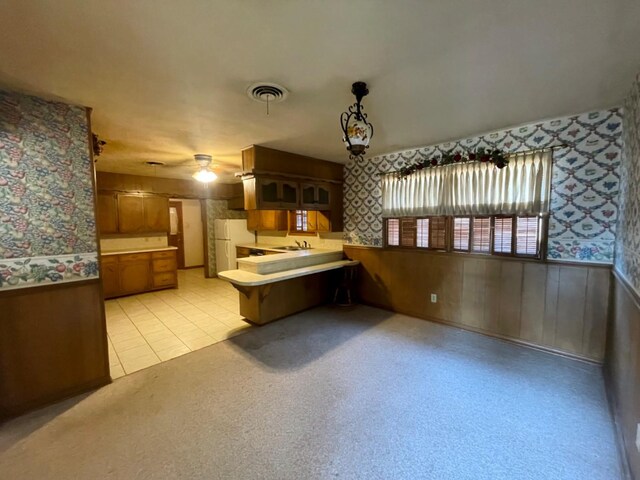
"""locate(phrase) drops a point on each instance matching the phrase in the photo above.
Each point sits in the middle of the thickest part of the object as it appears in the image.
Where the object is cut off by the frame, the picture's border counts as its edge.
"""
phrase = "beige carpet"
(331, 393)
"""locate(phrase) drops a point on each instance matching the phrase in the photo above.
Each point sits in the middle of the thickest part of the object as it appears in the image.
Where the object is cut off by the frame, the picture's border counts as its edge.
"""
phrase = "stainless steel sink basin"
(290, 248)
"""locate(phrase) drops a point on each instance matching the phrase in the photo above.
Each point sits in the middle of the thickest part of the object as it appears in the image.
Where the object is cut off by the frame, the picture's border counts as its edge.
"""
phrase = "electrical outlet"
(638, 437)
(434, 298)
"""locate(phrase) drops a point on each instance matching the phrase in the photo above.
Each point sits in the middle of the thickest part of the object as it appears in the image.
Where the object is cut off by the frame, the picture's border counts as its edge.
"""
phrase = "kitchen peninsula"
(275, 286)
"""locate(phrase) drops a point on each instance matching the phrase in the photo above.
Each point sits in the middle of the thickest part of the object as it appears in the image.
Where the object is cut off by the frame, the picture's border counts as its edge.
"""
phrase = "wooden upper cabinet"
(142, 213)
(275, 194)
(315, 196)
(107, 213)
(130, 213)
(156, 213)
(271, 220)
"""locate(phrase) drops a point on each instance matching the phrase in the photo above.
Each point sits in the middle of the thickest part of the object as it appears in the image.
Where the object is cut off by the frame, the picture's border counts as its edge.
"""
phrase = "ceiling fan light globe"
(205, 175)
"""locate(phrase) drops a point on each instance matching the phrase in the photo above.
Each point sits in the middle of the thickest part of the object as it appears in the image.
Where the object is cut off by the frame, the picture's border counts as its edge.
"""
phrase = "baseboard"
(505, 338)
(12, 412)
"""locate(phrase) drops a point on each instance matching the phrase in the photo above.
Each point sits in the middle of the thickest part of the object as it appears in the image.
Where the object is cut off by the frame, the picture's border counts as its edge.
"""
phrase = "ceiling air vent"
(267, 92)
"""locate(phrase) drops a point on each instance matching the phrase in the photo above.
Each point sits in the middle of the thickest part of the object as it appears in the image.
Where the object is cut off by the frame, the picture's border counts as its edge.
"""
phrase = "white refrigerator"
(229, 233)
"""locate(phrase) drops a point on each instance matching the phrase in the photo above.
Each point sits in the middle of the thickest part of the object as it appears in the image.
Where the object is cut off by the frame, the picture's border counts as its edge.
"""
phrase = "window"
(422, 233)
(502, 234)
(481, 238)
(489, 235)
(527, 235)
(393, 232)
(302, 221)
(438, 233)
(461, 231)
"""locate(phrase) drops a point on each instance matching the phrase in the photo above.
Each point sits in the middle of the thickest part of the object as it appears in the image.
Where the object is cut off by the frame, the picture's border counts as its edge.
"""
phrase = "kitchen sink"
(291, 248)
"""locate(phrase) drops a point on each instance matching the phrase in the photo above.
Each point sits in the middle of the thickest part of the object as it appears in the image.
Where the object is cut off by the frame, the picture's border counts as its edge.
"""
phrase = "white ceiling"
(167, 79)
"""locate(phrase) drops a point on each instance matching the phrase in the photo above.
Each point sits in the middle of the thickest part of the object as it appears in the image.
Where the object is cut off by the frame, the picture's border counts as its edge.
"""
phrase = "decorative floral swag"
(497, 157)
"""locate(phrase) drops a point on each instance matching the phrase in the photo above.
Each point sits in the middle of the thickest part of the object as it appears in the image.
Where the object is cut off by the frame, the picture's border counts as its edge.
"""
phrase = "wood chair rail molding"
(558, 307)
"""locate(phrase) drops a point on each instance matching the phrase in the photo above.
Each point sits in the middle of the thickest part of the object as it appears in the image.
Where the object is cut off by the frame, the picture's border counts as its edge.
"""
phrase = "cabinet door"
(289, 195)
(134, 276)
(324, 222)
(130, 213)
(253, 219)
(277, 194)
(272, 220)
(156, 213)
(323, 196)
(268, 193)
(315, 196)
(107, 213)
(110, 283)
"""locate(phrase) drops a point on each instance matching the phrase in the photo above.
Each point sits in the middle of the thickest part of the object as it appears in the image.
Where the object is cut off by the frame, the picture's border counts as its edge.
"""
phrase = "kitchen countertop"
(250, 279)
(264, 246)
(136, 250)
(288, 260)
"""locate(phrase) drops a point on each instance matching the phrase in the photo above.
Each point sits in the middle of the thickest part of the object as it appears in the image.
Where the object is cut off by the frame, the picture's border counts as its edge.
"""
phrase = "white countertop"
(136, 250)
(262, 246)
(250, 279)
(288, 260)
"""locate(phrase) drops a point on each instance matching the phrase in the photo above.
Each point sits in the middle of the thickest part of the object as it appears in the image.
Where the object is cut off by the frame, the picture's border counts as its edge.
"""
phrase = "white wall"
(192, 226)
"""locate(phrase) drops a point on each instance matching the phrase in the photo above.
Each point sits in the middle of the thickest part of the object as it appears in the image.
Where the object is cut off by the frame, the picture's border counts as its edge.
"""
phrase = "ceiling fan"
(202, 163)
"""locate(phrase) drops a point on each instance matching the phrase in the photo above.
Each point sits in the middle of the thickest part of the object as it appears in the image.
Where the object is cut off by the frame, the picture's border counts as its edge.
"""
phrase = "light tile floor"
(154, 327)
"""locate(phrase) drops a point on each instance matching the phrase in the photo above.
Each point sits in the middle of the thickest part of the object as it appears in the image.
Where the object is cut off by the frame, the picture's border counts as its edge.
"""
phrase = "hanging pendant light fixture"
(356, 130)
(204, 175)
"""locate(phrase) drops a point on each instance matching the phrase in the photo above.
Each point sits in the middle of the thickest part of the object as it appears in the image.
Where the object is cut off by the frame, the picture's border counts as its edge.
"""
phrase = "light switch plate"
(638, 437)
(434, 298)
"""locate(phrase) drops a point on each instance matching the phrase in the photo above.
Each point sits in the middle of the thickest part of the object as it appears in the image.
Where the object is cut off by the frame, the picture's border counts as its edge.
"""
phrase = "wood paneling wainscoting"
(622, 367)
(53, 344)
(557, 307)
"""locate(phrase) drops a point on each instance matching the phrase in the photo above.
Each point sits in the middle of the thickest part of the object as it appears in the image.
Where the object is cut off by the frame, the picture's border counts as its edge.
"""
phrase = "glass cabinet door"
(289, 197)
(315, 196)
(269, 191)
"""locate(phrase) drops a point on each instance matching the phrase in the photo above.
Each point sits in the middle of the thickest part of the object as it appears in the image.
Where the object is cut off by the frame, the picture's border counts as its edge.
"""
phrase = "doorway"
(186, 232)
(176, 230)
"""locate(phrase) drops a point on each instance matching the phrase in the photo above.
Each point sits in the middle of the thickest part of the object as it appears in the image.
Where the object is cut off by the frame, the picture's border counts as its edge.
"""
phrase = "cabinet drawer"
(164, 254)
(134, 257)
(164, 279)
(164, 265)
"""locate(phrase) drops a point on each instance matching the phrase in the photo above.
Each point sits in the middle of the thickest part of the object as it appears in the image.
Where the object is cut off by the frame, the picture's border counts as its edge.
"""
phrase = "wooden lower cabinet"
(134, 277)
(110, 276)
(131, 273)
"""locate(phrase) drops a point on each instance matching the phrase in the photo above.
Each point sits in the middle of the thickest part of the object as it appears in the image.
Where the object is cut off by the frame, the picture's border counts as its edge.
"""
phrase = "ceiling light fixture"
(357, 132)
(204, 175)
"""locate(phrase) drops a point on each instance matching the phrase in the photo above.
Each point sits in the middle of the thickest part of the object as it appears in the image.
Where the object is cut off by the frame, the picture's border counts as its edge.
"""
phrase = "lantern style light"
(356, 130)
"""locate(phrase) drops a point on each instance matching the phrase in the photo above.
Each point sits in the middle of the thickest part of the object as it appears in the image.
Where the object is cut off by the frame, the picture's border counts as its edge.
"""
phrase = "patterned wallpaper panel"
(585, 182)
(628, 238)
(218, 209)
(47, 223)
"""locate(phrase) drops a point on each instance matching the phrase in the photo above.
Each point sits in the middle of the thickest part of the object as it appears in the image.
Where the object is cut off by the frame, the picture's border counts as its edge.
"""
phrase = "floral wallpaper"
(585, 182)
(46, 193)
(627, 260)
(218, 209)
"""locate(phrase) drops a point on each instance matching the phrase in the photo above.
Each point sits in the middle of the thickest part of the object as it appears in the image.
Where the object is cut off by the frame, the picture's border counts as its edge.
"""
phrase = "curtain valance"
(474, 188)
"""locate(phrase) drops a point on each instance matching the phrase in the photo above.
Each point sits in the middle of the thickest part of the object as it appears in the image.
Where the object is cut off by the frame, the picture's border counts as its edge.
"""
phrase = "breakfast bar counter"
(275, 286)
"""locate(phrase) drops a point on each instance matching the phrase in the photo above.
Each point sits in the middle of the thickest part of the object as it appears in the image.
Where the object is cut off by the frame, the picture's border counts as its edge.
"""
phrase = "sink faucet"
(298, 243)
(305, 245)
